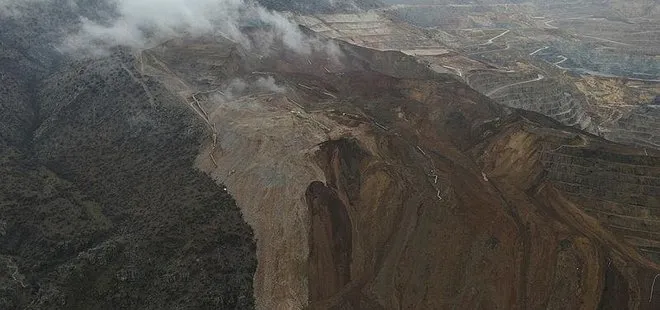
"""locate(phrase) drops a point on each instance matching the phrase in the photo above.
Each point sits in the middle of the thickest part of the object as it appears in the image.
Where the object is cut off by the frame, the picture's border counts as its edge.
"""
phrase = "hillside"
(100, 205)
(359, 176)
(587, 64)
(368, 172)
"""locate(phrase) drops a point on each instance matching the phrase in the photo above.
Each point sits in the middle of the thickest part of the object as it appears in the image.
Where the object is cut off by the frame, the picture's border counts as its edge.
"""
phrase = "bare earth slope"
(373, 183)
(592, 65)
(369, 179)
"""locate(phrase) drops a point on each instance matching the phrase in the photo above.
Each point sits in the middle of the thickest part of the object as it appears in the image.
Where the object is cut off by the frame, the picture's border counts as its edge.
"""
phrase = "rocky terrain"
(320, 6)
(358, 177)
(533, 55)
(201, 174)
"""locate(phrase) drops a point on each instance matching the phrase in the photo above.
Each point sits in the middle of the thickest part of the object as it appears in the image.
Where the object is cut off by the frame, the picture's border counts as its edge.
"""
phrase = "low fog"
(238, 87)
(142, 24)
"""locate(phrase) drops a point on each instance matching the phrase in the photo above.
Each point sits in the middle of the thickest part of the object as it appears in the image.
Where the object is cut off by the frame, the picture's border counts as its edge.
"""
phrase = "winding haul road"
(605, 40)
(563, 59)
(490, 93)
(495, 37)
(538, 50)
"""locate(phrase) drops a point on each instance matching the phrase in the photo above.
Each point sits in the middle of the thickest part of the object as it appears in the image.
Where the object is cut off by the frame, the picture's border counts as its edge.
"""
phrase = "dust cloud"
(236, 88)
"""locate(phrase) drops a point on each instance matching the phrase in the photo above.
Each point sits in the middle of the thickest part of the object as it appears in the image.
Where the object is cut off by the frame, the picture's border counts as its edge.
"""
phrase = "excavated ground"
(372, 182)
(522, 55)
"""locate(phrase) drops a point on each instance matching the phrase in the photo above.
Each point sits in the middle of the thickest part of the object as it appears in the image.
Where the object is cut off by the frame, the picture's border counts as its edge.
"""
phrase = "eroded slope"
(535, 56)
(373, 190)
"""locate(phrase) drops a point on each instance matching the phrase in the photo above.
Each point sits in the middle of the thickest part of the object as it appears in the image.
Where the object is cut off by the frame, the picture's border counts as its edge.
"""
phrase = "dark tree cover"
(101, 206)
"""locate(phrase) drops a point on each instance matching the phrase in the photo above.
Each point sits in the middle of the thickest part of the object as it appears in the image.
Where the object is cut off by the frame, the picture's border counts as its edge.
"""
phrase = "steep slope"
(100, 204)
(585, 64)
(320, 6)
(534, 92)
(372, 182)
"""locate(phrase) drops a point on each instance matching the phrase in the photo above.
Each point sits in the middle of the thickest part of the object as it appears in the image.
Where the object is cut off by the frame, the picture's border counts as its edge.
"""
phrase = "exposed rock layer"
(370, 181)
(373, 190)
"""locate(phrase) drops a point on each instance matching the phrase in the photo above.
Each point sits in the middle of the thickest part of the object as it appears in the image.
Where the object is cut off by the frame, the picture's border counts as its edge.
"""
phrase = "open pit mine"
(382, 170)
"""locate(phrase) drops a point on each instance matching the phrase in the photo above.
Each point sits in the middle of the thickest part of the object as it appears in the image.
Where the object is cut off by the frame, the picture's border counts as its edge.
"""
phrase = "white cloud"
(268, 84)
(144, 23)
(236, 88)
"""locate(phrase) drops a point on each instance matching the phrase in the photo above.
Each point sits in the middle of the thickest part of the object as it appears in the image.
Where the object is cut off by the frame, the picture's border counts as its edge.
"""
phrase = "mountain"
(337, 176)
(200, 173)
(100, 205)
(320, 6)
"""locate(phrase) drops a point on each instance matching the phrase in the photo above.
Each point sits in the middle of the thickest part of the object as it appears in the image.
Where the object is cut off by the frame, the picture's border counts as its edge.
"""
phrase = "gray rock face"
(580, 62)
(535, 92)
(620, 191)
(319, 6)
(640, 126)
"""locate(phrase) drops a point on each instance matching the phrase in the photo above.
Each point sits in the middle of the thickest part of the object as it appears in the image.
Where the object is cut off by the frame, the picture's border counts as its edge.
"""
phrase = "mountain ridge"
(199, 173)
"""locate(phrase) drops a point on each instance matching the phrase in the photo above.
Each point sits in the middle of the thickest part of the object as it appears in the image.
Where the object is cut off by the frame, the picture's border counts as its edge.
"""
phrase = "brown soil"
(404, 189)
